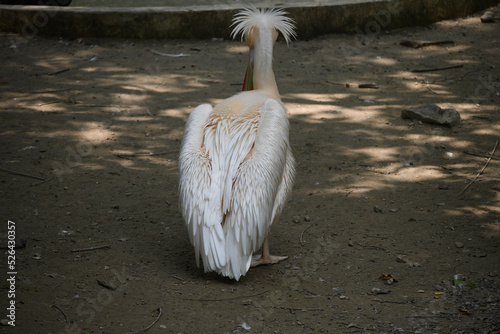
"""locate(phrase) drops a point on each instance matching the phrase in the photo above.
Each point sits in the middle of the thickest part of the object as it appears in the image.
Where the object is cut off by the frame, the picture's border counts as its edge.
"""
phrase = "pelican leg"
(267, 258)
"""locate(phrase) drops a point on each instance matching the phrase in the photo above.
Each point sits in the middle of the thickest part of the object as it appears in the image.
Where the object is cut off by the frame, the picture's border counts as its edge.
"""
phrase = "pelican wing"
(255, 189)
(199, 205)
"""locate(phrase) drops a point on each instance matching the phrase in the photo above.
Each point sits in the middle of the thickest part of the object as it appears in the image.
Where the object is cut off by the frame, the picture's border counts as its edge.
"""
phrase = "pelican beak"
(248, 81)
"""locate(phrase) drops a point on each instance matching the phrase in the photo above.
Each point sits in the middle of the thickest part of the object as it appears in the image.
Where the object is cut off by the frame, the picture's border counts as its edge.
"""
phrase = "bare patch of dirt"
(375, 194)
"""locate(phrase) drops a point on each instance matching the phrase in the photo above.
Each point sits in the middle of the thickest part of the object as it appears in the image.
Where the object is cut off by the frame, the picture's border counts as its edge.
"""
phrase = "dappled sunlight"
(94, 132)
(419, 174)
(178, 112)
(238, 49)
(377, 154)
(318, 98)
(492, 130)
(492, 229)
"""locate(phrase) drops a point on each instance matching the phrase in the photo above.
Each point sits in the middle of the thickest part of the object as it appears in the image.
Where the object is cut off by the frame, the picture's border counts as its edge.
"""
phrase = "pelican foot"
(270, 259)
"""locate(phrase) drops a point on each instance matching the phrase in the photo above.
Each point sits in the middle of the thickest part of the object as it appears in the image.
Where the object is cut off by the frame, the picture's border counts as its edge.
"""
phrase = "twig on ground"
(293, 309)
(338, 83)
(430, 89)
(59, 72)
(169, 54)
(221, 299)
(481, 155)
(49, 91)
(452, 78)
(375, 236)
(92, 105)
(154, 322)
(22, 174)
(437, 69)
(482, 170)
(371, 247)
(388, 301)
(60, 309)
(439, 315)
(368, 85)
(421, 44)
(127, 156)
(51, 102)
(90, 248)
(361, 85)
(302, 234)
(39, 183)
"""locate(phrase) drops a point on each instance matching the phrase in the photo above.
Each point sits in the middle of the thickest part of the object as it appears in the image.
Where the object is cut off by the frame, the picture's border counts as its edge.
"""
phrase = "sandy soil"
(375, 194)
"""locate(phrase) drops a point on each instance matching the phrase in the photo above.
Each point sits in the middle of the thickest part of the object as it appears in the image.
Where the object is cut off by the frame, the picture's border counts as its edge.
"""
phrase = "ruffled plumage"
(236, 168)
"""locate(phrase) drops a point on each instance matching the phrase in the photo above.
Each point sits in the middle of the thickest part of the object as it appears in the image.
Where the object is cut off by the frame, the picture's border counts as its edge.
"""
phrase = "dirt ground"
(94, 126)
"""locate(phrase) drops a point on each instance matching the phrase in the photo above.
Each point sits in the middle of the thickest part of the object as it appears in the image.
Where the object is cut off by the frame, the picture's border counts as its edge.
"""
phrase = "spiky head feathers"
(252, 19)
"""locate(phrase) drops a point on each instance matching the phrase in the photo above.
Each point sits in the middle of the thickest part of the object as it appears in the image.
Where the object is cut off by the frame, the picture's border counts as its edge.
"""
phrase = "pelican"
(236, 167)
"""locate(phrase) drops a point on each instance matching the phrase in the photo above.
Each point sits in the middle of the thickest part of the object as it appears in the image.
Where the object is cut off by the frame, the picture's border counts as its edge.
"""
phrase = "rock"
(438, 287)
(245, 326)
(107, 285)
(296, 219)
(488, 17)
(431, 113)
(459, 244)
(377, 291)
(403, 259)
(377, 208)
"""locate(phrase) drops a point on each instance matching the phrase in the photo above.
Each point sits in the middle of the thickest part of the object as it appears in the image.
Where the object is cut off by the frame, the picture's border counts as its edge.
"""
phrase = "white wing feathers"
(229, 197)
(196, 200)
(254, 190)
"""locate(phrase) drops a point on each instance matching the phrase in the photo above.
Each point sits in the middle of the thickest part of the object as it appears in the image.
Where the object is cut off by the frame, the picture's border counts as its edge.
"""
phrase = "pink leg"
(267, 258)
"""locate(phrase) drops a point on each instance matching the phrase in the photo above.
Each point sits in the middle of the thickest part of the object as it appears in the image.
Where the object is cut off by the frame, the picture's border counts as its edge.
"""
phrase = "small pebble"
(377, 208)
(296, 219)
(379, 291)
(306, 218)
(245, 326)
(459, 244)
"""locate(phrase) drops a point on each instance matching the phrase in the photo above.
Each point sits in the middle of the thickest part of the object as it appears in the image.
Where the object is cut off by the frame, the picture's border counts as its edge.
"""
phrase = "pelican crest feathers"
(252, 17)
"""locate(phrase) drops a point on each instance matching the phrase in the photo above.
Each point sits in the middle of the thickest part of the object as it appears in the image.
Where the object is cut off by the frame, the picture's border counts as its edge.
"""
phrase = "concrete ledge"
(204, 22)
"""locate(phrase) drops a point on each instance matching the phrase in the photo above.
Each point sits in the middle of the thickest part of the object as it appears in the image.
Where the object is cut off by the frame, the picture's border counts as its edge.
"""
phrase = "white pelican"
(236, 167)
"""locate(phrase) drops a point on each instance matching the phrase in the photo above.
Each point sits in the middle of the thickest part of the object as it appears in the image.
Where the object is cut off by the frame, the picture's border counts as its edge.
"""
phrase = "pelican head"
(261, 28)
